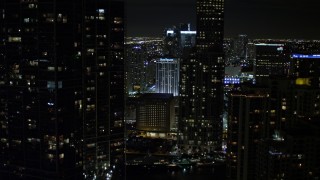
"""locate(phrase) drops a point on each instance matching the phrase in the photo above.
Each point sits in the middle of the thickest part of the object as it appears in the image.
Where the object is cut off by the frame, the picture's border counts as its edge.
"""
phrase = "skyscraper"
(167, 76)
(240, 47)
(271, 60)
(61, 84)
(202, 80)
(136, 57)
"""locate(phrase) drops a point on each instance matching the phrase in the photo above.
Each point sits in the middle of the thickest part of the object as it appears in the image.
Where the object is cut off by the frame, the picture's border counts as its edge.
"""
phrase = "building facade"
(167, 76)
(61, 84)
(247, 114)
(156, 113)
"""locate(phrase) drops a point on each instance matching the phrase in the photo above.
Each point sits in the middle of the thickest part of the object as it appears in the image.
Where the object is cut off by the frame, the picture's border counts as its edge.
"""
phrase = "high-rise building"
(306, 67)
(281, 138)
(187, 39)
(136, 58)
(251, 54)
(240, 48)
(177, 39)
(171, 42)
(140, 67)
(201, 102)
(271, 60)
(62, 88)
(247, 116)
(167, 76)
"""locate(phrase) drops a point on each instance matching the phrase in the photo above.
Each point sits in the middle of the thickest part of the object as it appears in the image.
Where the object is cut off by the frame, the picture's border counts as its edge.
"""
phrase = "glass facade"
(61, 83)
(167, 76)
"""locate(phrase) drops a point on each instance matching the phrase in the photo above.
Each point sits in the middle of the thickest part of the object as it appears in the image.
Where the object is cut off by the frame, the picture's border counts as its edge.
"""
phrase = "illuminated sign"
(166, 59)
(188, 32)
(306, 56)
(169, 32)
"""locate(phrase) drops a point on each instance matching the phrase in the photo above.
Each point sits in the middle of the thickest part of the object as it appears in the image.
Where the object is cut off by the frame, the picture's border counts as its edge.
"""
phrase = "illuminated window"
(14, 39)
(50, 68)
(26, 20)
(31, 6)
(100, 11)
(117, 20)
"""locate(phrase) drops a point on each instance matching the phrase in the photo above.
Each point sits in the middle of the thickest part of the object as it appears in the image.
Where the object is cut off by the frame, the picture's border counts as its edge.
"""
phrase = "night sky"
(256, 18)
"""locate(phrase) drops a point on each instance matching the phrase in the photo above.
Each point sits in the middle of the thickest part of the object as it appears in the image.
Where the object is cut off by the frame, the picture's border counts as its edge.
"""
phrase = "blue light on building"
(305, 56)
(232, 80)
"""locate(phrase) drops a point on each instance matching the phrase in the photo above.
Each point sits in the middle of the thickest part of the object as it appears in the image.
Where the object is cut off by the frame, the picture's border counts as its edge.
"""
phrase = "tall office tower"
(201, 102)
(141, 55)
(271, 60)
(171, 42)
(251, 54)
(228, 51)
(136, 57)
(247, 117)
(187, 39)
(61, 84)
(177, 39)
(240, 48)
(167, 76)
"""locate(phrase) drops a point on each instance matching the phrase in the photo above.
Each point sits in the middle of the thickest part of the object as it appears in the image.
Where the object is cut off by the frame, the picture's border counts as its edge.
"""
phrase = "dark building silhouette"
(247, 118)
(176, 39)
(291, 151)
(285, 145)
(240, 48)
(202, 75)
(272, 59)
(61, 88)
(273, 131)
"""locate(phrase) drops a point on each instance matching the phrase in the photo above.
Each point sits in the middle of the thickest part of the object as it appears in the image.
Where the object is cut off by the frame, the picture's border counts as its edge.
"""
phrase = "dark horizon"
(258, 19)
